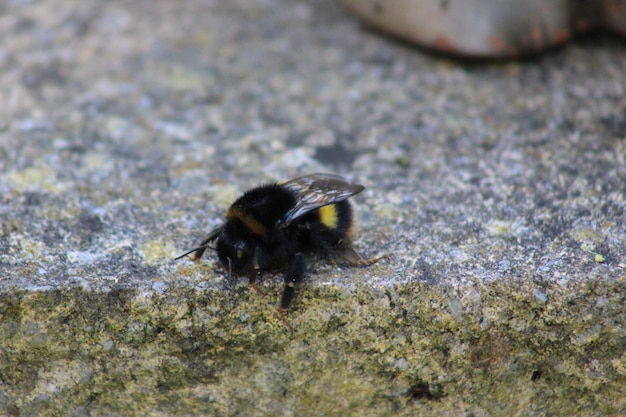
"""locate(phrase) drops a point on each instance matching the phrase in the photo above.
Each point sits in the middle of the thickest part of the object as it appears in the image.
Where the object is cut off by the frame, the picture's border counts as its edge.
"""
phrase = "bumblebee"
(273, 226)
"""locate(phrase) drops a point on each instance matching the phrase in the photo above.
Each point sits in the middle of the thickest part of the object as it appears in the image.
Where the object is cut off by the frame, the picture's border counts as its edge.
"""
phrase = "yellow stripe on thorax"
(253, 224)
(328, 216)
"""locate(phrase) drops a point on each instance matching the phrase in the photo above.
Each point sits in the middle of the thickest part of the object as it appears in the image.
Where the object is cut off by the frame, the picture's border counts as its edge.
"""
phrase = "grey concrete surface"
(496, 188)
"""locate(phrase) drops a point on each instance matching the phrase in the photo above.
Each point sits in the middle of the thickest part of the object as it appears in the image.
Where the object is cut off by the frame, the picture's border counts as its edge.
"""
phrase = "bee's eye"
(239, 247)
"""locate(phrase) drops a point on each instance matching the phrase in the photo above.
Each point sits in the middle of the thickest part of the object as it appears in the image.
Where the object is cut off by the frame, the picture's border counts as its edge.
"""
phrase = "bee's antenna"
(204, 245)
(202, 248)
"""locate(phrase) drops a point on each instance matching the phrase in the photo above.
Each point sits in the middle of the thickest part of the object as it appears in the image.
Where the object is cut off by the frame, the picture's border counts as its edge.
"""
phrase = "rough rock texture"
(497, 190)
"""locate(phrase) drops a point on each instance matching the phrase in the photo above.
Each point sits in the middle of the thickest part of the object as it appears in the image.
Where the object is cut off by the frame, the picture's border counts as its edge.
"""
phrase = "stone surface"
(497, 190)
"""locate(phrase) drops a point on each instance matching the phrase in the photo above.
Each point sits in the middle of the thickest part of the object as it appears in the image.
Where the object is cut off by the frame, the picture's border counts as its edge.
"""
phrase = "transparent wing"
(317, 190)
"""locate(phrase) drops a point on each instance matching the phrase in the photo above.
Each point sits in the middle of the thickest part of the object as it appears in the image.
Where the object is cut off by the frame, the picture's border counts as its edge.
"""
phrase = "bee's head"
(235, 248)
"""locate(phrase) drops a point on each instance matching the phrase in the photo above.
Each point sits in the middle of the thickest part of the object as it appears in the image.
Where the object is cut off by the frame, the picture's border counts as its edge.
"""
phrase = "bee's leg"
(293, 276)
(355, 259)
(252, 282)
(259, 258)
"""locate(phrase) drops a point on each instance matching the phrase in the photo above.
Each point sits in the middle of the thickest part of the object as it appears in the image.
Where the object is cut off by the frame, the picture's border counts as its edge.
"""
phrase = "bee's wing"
(317, 190)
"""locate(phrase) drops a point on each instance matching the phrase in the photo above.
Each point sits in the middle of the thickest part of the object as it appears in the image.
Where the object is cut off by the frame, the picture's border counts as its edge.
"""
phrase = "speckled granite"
(497, 190)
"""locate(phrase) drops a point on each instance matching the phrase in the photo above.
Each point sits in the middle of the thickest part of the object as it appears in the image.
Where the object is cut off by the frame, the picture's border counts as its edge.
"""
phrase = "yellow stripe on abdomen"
(328, 216)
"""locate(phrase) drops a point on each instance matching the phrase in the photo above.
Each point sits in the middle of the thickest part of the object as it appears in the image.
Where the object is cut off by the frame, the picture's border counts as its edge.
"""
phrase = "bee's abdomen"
(326, 228)
(337, 217)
